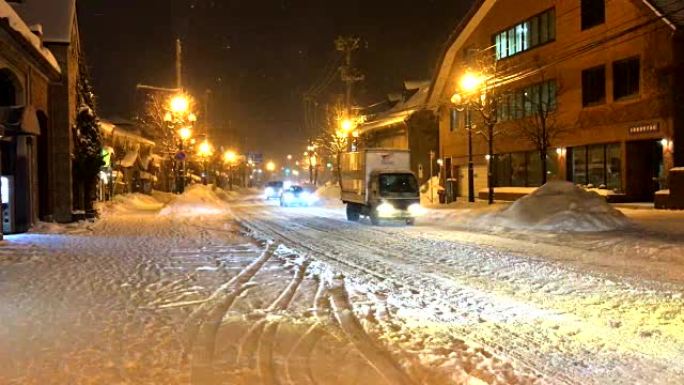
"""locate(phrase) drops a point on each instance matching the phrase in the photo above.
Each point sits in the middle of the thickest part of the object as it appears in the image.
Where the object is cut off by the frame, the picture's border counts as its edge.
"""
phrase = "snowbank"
(129, 203)
(329, 195)
(558, 206)
(197, 200)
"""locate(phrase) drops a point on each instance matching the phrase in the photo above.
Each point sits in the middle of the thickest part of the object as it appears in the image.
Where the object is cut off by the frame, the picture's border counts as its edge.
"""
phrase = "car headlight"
(416, 210)
(386, 209)
(269, 191)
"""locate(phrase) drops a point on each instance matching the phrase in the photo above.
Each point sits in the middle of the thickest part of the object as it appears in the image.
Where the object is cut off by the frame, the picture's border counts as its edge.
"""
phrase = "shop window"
(626, 76)
(534, 169)
(596, 165)
(519, 169)
(593, 13)
(614, 166)
(579, 165)
(594, 86)
(502, 170)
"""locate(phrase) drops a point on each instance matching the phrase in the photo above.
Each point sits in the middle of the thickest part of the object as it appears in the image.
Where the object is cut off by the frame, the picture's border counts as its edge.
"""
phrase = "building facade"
(27, 69)
(607, 75)
(59, 27)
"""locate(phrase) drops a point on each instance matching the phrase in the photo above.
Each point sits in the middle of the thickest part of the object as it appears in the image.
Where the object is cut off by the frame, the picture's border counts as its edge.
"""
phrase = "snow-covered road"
(246, 292)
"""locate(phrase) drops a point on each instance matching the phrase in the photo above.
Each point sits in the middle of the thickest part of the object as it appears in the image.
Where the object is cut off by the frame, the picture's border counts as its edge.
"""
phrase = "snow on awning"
(129, 159)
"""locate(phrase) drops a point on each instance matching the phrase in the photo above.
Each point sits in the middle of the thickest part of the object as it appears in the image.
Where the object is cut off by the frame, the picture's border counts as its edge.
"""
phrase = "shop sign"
(644, 129)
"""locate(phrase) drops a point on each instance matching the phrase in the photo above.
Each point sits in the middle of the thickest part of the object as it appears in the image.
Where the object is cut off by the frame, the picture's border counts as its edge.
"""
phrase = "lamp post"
(178, 116)
(184, 134)
(205, 150)
(469, 84)
(229, 158)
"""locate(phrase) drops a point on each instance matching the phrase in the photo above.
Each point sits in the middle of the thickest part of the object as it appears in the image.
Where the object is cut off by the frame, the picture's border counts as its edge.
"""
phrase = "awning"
(129, 159)
(21, 120)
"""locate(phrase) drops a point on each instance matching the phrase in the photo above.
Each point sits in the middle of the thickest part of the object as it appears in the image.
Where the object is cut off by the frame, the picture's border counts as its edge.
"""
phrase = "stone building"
(27, 69)
(59, 25)
(610, 73)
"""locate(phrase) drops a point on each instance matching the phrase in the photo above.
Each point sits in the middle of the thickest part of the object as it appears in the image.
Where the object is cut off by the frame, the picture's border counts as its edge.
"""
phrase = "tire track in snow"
(203, 324)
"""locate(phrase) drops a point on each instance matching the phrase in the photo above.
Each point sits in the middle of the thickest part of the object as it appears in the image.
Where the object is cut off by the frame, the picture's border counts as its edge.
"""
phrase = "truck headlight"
(386, 209)
(269, 191)
(416, 210)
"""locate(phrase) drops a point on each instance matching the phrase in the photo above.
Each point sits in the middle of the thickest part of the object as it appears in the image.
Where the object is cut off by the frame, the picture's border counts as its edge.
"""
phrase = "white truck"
(378, 183)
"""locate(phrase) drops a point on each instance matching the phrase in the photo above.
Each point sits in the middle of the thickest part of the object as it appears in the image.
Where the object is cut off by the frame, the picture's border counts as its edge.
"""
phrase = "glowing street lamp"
(471, 82)
(185, 133)
(230, 157)
(179, 104)
(205, 149)
(270, 166)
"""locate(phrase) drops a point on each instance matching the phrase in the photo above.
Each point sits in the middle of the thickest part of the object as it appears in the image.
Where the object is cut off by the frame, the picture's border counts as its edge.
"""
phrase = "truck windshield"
(398, 185)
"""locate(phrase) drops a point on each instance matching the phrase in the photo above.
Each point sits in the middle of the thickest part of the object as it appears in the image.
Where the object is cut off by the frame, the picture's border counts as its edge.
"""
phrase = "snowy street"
(219, 288)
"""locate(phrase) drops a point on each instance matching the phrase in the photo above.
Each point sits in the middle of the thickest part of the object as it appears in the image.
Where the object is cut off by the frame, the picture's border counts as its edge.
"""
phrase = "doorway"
(645, 169)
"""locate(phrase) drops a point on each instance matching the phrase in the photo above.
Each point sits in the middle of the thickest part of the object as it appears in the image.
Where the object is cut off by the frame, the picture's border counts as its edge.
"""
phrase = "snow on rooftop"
(55, 16)
(18, 24)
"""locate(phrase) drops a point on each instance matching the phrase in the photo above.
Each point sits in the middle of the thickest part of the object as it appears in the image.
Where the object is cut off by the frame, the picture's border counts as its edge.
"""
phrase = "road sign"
(180, 155)
(255, 157)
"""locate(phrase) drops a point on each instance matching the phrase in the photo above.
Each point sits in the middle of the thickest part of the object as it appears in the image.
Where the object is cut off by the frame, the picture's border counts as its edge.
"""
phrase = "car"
(273, 190)
(297, 196)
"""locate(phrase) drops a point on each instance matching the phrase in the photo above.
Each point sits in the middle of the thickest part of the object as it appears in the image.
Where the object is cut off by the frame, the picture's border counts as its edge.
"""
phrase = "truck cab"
(377, 183)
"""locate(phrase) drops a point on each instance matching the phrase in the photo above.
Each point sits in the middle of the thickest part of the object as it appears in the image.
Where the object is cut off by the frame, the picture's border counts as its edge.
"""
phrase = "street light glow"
(347, 125)
(179, 104)
(205, 149)
(229, 156)
(471, 81)
(270, 166)
(185, 133)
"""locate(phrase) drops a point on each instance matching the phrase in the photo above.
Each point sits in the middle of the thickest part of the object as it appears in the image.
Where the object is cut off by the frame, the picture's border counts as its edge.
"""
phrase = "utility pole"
(179, 64)
(349, 75)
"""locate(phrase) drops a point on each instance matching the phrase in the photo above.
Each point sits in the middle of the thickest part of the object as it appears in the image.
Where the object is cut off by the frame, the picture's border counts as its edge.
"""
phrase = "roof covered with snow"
(401, 111)
(670, 10)
(55, 16)
(19, 25)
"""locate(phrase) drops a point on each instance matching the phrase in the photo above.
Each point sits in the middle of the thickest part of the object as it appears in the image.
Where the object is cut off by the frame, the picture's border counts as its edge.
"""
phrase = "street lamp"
(270, 166)
(179, 104)
(229, 158)
(469, 83)
(205, 150)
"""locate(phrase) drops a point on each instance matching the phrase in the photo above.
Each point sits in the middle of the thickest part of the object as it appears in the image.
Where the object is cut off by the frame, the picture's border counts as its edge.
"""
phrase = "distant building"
(27, 69)
(612, 72)
(57, 22)
(408, 124)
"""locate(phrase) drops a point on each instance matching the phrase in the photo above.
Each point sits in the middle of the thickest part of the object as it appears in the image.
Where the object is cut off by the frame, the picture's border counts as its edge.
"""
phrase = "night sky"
(258, 57)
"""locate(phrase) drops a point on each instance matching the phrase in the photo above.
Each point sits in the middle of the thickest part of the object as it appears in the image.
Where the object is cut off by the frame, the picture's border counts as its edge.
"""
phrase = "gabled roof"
(18, 26)
(671, 11)
(55, 16)
(401, 111)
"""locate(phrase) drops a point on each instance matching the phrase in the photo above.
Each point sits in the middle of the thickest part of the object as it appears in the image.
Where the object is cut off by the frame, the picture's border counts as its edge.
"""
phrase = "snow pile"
(197, 200)
(425, 197)
(558, 206)
(329, 195)
(129, 203)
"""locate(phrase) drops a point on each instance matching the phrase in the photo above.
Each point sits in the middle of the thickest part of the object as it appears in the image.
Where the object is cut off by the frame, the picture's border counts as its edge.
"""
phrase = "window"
(521, 37)
(599, 165)
(625, 78)
(398, 185)
(593, 13)
(8, 88)
(528, 101)
(594, 86)
(453, 119)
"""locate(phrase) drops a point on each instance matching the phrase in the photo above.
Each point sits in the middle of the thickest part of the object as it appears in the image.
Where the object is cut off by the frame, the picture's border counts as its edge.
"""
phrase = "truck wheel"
(352, 212)
(375, 220)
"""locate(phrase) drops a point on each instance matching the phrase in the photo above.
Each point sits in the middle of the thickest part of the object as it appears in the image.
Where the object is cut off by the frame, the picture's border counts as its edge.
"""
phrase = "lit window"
(521, 37)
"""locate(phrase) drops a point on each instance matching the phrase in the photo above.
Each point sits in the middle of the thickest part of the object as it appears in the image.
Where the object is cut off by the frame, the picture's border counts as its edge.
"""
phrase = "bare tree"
(331, 142)
(537, 123)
